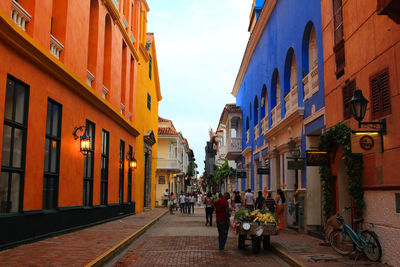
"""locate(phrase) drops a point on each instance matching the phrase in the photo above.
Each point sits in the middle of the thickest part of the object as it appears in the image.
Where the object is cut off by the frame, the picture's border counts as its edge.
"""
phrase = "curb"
(103, 258)
(286, 257)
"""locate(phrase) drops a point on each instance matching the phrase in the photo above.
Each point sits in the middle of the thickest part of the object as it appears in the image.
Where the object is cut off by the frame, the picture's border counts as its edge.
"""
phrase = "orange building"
(362, 50)
(67, 64)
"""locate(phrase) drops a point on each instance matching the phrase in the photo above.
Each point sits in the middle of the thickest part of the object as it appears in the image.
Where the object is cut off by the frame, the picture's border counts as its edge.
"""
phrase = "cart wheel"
(256, 244)
(266, 242)
(242, 241)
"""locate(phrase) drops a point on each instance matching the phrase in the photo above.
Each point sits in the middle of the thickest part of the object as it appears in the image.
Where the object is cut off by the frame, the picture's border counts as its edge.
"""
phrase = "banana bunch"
(265, 218)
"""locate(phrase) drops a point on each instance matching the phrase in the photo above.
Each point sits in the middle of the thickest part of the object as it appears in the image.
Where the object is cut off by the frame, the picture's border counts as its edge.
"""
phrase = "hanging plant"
(329, 141)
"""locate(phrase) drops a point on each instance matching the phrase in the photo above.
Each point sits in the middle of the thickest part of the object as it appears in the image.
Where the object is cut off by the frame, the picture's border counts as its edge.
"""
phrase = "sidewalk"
(80, 247)
(307, 251)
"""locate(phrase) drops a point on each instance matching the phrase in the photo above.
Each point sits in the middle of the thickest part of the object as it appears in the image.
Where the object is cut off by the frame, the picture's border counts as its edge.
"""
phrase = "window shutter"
(380, 95)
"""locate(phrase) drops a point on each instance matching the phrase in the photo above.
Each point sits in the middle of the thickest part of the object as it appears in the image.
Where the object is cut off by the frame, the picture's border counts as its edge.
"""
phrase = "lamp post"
(358, 105)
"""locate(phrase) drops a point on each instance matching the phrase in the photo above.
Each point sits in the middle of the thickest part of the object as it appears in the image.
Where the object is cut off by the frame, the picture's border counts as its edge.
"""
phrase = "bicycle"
(345, 240)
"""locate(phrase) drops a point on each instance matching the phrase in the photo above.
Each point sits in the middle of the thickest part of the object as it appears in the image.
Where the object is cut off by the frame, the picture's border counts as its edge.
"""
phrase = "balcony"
(19, 15)
(311, 83)
(291, 103)
(247, 136)
(264, 124)
(169, 164)
(55, 47)
(234, 148)
(276, 114)
(256, 132)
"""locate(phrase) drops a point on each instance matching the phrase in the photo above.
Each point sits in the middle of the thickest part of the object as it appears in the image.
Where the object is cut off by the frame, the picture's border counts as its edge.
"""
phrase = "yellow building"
(172, 159)
(148, 95)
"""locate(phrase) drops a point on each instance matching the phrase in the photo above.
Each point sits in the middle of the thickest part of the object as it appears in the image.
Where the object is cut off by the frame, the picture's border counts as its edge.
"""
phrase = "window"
(161, 179)
(348, 90)
(338, 38)
(14, 144)
(105, 144)
(380, 94)
(121, 171)
(148, 101)
(52, 155)
(130, 177)
(88, 167)
(150, 66)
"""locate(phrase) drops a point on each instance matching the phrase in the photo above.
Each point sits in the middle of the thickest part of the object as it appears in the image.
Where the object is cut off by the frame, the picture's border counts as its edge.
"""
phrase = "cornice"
(314, 116)
(21, 42)
(255, 36)
(144, 52)
(247, 151)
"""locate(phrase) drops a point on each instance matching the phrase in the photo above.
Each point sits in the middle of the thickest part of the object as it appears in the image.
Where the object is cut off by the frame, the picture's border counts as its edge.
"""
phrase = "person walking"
(238, 201)
(165, 198)
(192, 200)
(222, 218)
(270, 203)
(171, 204)
(182, 202)
(260, 201)
(249, 199)
(209, 203)
(279, 213)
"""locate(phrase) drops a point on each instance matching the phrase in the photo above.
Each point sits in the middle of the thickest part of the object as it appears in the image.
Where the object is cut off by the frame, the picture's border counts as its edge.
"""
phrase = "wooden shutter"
(380, 95)
(338, 47)
(348, 91)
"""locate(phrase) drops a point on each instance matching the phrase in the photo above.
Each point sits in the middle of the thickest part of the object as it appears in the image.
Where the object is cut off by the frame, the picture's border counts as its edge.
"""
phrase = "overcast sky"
(200, 45)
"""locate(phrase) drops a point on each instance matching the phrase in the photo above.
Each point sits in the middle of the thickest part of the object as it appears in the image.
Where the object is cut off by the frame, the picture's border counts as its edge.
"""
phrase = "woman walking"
(209, 208)
(279, 213)
(238, 201)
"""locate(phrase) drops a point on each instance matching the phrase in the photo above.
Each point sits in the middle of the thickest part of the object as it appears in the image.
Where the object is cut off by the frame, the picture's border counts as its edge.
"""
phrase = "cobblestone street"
(184, 240)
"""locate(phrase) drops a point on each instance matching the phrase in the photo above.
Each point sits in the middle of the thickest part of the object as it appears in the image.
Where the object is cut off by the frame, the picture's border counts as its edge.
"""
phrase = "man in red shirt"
(222, 218)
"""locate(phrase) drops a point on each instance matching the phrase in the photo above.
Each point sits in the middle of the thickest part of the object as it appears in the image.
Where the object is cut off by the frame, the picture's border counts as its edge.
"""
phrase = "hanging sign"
(317, 158)
(366, 142)
(296, 165)
(262, 171)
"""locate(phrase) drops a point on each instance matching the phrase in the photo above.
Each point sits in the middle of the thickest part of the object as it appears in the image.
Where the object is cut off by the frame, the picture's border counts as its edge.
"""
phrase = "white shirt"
(249, 198)
(192, 199)
(182, 198)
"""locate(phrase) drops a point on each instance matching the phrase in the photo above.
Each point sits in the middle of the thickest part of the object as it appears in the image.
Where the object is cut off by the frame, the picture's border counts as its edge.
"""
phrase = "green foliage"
(329, 141)
(223, 172)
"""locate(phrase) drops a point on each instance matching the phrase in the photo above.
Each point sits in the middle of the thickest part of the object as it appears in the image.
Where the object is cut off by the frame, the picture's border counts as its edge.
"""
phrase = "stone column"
(275, 171)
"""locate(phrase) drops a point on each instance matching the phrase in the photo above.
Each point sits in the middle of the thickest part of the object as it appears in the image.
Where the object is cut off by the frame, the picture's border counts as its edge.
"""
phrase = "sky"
(200, 45)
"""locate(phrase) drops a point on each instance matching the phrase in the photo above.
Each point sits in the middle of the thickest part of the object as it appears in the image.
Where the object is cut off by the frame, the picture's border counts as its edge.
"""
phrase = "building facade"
(172, 160)
(362, 50)
(68, 80)
(281, 94)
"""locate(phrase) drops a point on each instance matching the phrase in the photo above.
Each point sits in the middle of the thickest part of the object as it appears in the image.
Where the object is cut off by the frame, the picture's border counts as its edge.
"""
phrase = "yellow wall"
(163, 152)
(146, 120)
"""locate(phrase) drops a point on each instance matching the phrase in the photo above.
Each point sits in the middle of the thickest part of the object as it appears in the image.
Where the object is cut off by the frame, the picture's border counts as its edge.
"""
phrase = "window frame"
(86, 178)
(130, 198)
(24, 128)
(121, 168)
(338, 41)
(104, 169)
(347, 93)
(48, 136)
(148, 101)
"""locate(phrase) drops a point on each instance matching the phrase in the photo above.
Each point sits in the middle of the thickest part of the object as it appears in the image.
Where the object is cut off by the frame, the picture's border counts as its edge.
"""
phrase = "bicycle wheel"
(373, 249)
(341, 242)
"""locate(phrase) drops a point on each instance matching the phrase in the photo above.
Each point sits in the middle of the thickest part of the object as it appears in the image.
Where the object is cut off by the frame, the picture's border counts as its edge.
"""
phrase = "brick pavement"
(184, 240)
(308, 250)
(77, 248)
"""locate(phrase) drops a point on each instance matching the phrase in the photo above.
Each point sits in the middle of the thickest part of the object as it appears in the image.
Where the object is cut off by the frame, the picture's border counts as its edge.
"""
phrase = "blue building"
(280, 89)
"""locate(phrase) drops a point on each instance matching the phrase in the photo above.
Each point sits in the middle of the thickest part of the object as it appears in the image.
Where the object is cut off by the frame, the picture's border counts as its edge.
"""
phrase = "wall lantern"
(84, 139)
(359, 107)
(132, 161)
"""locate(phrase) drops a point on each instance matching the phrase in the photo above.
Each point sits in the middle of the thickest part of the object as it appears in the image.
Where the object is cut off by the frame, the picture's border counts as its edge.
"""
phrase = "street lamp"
(358, 105)
(132, 161)
(84, 139)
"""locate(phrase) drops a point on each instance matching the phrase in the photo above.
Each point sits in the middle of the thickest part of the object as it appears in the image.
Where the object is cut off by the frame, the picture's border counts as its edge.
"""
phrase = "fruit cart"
(257, 227)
